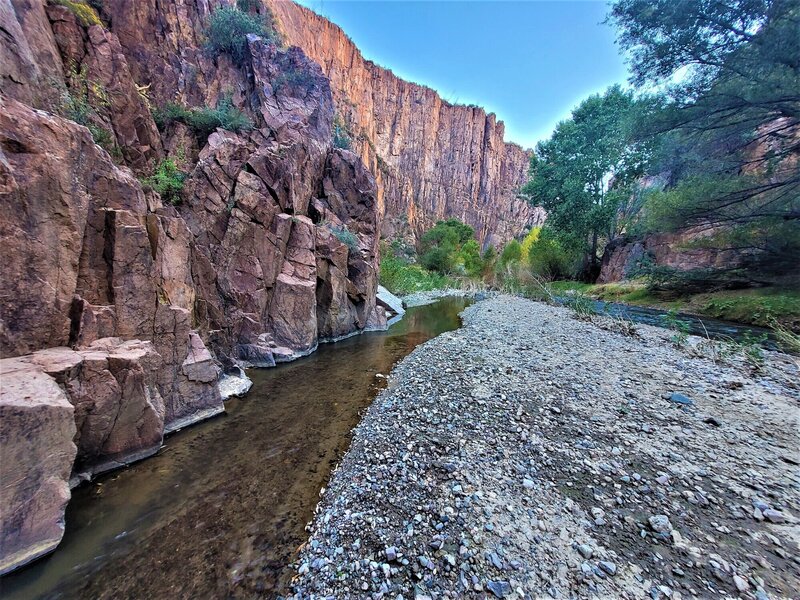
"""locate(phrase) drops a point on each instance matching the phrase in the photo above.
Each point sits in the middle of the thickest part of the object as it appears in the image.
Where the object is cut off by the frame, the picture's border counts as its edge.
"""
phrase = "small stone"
(499, 588)
(681, 399)
(585, 550)
(391, 553)
(527, 484)
(741, 583)
(773, 516)
(608, 567)
(660, 524)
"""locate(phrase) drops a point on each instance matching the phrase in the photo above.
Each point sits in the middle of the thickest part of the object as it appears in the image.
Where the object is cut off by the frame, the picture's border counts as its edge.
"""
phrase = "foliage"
(512, 252)
(85, 13)
(345, 236)
(446, 248)
(341, 135)
(727, 136)
(78, 104)
(401, 277)
(591, 162)
(167, 180)
(679, 326)
(228, 30)
(749, 347)
(582, 305)
(204, 121)
(530, 239)
(549, 258)
(294, 79)
(787, 340)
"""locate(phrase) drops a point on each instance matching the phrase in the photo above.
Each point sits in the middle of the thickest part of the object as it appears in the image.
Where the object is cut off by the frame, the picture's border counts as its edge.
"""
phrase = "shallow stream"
(222, 507)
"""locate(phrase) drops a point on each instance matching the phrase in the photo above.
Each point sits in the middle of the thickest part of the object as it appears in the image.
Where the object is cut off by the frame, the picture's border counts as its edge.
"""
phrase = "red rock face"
(431, 159)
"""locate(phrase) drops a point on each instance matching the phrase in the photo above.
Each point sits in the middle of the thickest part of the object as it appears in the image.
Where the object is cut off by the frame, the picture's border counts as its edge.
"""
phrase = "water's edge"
(221, 508)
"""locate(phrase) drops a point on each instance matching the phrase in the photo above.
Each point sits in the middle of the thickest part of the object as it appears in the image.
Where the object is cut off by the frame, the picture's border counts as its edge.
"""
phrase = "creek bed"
(221, 509)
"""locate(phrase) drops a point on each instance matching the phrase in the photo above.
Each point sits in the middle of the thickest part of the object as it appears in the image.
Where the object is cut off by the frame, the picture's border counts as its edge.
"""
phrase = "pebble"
(608, 567)
(660, 524)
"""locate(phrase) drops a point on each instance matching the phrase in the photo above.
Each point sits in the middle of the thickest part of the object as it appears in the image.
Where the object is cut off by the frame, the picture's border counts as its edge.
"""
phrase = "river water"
(221, 509)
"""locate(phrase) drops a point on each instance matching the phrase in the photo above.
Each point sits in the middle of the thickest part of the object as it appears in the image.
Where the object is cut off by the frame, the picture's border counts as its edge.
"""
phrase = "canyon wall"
(121, 310)
(431, 159)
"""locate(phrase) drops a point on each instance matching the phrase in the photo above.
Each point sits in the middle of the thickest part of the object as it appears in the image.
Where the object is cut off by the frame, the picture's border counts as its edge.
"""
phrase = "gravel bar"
(530, 454)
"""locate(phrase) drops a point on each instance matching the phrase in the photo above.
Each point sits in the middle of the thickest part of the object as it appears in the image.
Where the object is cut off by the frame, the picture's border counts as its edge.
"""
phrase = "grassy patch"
(401, 277)
(204, 120)
(85, 14)
(762, 306)
(756, 306)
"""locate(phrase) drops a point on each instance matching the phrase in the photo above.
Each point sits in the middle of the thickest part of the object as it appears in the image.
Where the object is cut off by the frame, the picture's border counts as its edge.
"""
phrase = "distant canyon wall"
(431, 159)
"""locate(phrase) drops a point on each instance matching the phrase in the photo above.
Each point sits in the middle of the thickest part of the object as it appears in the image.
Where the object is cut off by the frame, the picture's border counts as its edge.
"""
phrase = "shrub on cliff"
(85, 14)
(203, 121)
(228, 30)
(347, 237)
(167, 180)
(341, 136)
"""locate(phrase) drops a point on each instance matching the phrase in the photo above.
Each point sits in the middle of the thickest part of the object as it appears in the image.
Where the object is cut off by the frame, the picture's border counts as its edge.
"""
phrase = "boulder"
(37, 426)
(119, 412)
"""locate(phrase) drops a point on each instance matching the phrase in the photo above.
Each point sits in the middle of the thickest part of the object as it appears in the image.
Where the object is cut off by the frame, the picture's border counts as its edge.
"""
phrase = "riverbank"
(752, 307)
(530, 454)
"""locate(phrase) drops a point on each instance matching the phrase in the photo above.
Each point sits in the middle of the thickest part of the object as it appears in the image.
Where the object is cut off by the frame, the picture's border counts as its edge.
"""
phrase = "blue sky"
(530, 62)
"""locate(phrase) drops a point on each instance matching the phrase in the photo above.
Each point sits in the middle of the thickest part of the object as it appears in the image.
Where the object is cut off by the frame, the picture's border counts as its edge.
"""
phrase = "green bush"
(341, 136)
(204, 121)
(294, 79)
(512, 252)
(228, 30)
(446, 247)
(345, 236)
(549, 259)
(167, 180)
(85, 14)
(401, 277)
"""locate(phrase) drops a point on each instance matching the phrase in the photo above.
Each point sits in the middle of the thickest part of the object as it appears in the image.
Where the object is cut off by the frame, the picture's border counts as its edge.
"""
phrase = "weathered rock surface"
(37, 425)
(678, 250)
(431, 159)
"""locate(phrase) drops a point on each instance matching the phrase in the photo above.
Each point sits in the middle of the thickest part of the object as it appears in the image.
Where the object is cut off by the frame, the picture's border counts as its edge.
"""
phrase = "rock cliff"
(119, 309)
(431, 159)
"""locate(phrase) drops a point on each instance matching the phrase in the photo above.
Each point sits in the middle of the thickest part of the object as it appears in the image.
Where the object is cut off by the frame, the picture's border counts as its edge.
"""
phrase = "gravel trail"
(533, 455)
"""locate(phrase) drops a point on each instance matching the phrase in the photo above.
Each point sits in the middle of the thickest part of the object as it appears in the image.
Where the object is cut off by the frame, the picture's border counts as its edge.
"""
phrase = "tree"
(448, 245)
(730, 137)
(581, 173)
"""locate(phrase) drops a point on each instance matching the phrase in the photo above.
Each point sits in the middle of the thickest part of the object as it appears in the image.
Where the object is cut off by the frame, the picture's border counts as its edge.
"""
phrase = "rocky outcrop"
(431, 159)
(37, 425)
(122, 311)
(682, 250)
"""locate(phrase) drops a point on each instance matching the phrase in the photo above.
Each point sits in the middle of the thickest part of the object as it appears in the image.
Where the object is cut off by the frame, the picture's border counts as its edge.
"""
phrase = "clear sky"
(530, 62)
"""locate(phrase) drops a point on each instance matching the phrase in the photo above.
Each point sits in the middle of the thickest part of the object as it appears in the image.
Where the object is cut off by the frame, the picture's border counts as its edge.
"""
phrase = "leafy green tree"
(448, 245)
(729, 138)
(581, 174)
(512, 252)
